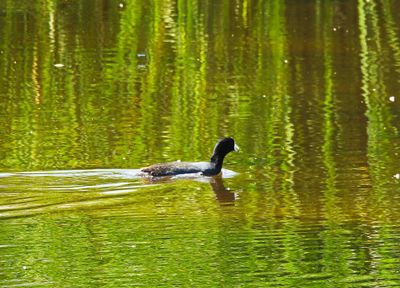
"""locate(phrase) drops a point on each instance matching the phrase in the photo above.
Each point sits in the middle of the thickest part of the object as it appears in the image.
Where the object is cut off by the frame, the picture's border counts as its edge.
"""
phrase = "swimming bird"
(211, 168)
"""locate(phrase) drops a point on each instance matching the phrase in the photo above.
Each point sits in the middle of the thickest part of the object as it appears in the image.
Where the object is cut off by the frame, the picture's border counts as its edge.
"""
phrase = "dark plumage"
(211, 168)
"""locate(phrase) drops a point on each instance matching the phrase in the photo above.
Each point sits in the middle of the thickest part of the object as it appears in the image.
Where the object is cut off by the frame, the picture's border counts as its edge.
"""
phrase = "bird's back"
(175, 168)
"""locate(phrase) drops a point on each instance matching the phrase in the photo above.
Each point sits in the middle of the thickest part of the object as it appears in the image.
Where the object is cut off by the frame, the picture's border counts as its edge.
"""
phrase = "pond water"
(90, 91)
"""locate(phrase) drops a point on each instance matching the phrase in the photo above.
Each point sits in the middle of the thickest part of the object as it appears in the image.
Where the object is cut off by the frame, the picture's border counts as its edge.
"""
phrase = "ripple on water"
(138, 231)
(30, 193)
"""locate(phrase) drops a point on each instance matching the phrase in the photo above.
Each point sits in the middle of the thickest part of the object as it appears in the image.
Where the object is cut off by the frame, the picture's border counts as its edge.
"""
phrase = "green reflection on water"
(309, 90)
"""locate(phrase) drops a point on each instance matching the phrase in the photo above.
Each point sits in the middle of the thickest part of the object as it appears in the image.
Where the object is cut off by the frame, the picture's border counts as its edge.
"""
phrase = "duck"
(210, 168)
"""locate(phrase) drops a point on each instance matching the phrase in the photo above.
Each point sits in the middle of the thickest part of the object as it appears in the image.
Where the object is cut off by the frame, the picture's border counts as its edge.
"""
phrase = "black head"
(223, 147)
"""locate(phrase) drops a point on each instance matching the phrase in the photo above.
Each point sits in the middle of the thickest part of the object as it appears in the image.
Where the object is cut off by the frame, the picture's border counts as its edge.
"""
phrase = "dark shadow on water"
(222, 193)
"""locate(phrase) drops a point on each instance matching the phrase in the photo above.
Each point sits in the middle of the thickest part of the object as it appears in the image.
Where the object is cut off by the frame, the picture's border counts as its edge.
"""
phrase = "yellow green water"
(90, 91)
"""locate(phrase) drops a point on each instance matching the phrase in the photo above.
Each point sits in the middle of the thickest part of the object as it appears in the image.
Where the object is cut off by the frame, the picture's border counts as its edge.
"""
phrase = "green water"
(90, 91)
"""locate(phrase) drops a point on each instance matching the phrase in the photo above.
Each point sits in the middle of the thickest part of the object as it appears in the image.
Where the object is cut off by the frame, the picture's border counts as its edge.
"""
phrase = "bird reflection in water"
(222, 194)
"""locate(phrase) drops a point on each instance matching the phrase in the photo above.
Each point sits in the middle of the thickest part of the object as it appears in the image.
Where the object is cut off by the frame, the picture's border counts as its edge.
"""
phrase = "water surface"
(90, 91)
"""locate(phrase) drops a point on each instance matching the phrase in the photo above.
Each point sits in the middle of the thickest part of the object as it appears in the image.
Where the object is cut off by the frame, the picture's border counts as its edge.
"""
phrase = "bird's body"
(211, 168)
(175, 168)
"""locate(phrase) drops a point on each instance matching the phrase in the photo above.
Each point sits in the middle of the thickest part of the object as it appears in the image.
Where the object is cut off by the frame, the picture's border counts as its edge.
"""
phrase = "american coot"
(211, 168)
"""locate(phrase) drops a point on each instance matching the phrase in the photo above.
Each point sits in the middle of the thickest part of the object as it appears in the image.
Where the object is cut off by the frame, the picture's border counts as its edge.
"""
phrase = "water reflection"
(223, 194)
(309, 89)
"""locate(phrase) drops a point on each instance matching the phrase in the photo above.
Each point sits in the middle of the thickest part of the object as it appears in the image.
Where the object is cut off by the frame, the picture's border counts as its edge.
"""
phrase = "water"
(91, 91)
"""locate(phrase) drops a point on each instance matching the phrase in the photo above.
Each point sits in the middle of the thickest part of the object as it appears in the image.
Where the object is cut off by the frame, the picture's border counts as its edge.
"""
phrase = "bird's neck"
(217, 160)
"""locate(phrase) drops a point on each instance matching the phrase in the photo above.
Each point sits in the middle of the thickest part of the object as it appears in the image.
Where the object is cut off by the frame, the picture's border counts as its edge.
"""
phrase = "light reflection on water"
(40, 192)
